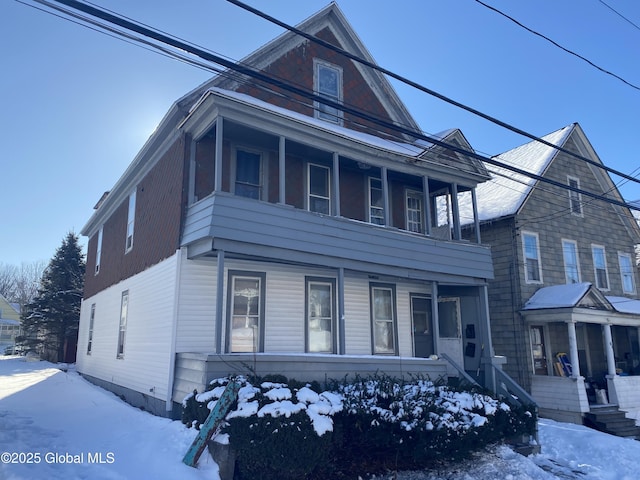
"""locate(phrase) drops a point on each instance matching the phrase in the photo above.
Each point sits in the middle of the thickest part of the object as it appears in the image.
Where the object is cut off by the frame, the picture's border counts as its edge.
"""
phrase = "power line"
(424, 89)
(619, 14)
(286, 86)
(570, 52)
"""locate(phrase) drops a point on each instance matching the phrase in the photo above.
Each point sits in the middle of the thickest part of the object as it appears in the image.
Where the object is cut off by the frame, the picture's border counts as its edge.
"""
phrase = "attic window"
(327, 82)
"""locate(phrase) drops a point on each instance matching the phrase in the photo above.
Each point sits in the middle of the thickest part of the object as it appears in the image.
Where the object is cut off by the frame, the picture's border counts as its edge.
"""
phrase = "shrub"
(367, 425)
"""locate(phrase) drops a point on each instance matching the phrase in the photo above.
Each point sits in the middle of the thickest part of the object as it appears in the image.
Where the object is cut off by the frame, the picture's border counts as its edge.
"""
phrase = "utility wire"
(570, 52)
(424, 89)
(619, 14)
(261, 76)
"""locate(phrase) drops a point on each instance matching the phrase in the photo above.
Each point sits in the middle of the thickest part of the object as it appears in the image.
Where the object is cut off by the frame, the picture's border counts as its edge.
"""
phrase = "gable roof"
(8, 310)
(330, 17)
(568, 296)
(507, 191)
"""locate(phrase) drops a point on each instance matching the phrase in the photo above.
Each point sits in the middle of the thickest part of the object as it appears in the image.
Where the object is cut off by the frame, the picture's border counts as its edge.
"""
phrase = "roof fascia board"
(544, 172)
(202, 118)
(156, 145)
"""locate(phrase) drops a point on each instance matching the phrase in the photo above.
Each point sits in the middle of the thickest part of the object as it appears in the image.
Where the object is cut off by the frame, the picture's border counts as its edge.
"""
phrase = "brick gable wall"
(160, 199)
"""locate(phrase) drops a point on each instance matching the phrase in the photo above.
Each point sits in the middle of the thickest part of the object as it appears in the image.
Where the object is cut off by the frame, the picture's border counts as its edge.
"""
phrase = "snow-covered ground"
(69, 426)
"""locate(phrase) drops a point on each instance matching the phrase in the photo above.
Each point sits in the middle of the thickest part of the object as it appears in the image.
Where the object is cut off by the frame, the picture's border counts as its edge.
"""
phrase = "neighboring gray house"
(9, 325)
(258, 231)
(565, 278)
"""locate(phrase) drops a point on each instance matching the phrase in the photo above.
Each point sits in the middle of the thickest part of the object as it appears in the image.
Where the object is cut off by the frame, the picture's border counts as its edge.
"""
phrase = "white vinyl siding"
(626, 273)
(531, 255)
(571, 262)
(146, 363)
(600, 267)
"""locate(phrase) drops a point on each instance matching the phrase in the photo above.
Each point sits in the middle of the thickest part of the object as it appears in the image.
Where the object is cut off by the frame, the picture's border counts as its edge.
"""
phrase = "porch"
(196, 370)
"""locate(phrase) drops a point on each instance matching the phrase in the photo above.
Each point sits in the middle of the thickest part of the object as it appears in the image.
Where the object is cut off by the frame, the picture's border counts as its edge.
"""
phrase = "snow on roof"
(625, 305)
(401, 148)
(507, 190)
(558, 296)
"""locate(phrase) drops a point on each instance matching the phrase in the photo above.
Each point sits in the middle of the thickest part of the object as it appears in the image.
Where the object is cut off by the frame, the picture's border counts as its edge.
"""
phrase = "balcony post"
(426, 211)
(341, 329)
(281, 172)
(218, 162)
(476, 219)
(385, 195)
(336, 184)
(455, 207)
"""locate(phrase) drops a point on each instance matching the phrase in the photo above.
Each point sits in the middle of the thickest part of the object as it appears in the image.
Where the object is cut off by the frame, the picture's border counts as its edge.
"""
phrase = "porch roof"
(580, 302)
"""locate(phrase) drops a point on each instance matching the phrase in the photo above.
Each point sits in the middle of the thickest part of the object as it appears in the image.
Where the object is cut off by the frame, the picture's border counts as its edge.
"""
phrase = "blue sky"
(77, 105)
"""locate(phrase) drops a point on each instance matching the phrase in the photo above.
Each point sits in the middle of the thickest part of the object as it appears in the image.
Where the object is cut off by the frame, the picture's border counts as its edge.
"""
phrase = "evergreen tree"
(50, 321)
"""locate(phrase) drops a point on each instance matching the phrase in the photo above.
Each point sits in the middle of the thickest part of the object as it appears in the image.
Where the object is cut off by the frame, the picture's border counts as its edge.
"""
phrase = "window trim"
(99, 250)
(309, 195)
(263, 174)
(575, 198)
(92, 317)
(417, 194)
(564, 259)
(631, 272)
(231, 276)
(595, 268)
(338, 117)
(373, 286)
(122, 325)
(538, 258)
(131, 219)
(309, 281)
(370, 204)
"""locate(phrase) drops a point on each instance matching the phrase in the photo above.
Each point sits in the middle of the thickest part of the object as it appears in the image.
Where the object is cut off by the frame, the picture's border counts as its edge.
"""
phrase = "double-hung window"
(131, 217)
(383, 319)
(320, 315)
(319, 189)
(247, 291)
(92, 318)
(532, 264)
(571, 264)
(328, 84)
(575, 198)
(600, 266)
(414, 211)
(376, 202)
(626, 272)
(248, 178)
(122, 329)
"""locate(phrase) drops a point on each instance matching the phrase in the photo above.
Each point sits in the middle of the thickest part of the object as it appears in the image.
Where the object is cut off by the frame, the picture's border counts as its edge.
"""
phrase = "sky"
(77, 105)
(135, 444)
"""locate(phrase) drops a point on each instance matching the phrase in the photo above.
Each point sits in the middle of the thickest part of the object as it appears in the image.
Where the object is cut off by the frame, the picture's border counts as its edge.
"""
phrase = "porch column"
(434, 316)
(281, 172)
(219, 297)
(573, 350)
(342, 348)
(487, 345)
(457, 232)
(476, 220)
(426, 214)
(218, 162)
(608, 346)
(336, 184)
(385, 194)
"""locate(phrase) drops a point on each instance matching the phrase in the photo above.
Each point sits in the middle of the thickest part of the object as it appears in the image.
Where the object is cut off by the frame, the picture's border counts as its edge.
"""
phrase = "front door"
(450, 339)
(422, 326)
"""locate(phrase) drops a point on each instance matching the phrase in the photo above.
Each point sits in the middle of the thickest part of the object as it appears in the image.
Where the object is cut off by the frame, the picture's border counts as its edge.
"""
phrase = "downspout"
(174, 334)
